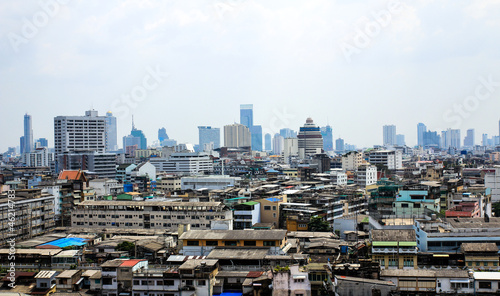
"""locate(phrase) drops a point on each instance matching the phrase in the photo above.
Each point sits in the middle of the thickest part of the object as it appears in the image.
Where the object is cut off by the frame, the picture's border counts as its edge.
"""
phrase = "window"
(159, 283)
(193, 243)
(201, 283)
(469, 263)
(404, 205)
(274, 215)
(136, 282)
(250, 243)
(416, 206)
(269, 243)
(298, 280)
(168, 282)
(211, 243)
(189, 282)
(478, 263)
(267, 208)
(274, 208)
(230, 243)
(484, 285)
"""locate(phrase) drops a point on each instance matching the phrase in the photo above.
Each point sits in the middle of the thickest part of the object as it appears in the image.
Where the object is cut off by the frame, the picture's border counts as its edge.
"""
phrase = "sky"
(356, 65)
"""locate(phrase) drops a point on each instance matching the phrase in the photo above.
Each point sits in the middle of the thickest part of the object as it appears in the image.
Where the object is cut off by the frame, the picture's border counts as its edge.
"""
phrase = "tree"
(126, 246)
(318, 224)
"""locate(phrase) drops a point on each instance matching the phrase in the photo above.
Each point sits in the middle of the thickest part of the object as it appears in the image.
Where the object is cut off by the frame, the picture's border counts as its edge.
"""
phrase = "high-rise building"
(310, 139)
(27, 145)
(162, 134)
(136, 137)
(400, 140)
(237, 135)
(42, 142)
(246, 115)
(431, 140)
(421, 129)
(111, 133)
(469, 138)
(80, 133)
(339, 145)
(267, 142)
(256, 134)
(389, 135)
(103, 165)
(40, 157)
(327, 133)
(207, 135)
(450, 139)
(485, 141)
(278, 143)
(288, 133)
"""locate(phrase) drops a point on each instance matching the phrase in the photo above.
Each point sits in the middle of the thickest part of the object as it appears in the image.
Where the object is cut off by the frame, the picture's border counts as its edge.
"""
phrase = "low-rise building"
(482, 256)
(394, 248)
(69, 281)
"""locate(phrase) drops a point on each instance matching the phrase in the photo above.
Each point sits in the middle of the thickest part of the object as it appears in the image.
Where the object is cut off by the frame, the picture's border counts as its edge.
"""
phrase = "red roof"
(254, 274)
(131, 262)
(72, 175)
(20, 274)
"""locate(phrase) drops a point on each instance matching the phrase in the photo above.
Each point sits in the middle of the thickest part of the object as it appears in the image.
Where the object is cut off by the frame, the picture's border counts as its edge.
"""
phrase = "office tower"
(42, 142)
(327, 133)
(278, 143)
(267, 142)
(111, 133)
(431, 140)
(339, 145)
(400, 140)
(484, 142)
(80, 133)
(237, 135)
(469, 138)
(288, 133)
(162, 134)
(21, 145)
(310, 139)
(27, 145)
(207, 135)
(421, 129)
(389, 135)
(256, 134)
(136, 137)
(450, 138)
(246, 115)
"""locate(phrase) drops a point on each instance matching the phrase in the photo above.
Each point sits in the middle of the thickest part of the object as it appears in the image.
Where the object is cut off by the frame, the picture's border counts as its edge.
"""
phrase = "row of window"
(167, 283)
(232, 243)
(165, 217)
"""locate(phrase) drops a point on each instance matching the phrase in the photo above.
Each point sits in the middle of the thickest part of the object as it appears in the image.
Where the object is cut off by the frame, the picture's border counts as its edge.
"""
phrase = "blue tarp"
(229, 294)
(66, 242)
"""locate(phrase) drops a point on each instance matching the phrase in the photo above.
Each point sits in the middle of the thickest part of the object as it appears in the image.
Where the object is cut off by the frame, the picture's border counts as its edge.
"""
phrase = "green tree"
(318, 224)
(126, 246)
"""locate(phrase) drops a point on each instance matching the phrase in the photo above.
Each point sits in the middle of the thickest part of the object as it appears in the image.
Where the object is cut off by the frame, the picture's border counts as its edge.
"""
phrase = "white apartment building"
(80, 133)
(209, 182)
(184, 163)
(366, 175)
(148, 214)
(338, 177)
(352, 160)
(393, 159)
(492, 181)
(40, 157)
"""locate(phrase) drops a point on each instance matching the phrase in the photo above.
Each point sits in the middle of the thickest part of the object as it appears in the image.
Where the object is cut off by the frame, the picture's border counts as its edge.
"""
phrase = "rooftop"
(192, 264)
(238, 254)
(399, 235)
(479, 247)
(270, 234)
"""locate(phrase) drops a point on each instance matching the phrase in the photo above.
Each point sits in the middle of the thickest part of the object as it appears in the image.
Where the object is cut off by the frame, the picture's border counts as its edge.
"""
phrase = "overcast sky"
(179, 64)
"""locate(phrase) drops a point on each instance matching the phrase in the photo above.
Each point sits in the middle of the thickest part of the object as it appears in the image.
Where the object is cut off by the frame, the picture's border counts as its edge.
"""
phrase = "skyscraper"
(400, 140)
(111, 134)
(80, 133)
(277, 144)
(136, 137)
(339, 145)
(256, 134)
(207, 135)
(162, 135)
(42, 142)
(450, 138)
(28, 135)
(431, 140)
(327, 133)
(237, 135)
(288, 133)
(469, 138)
(267, 142)
(389, 135)
(484, 141)
(310, 139)
(246, 115)
(421, 129)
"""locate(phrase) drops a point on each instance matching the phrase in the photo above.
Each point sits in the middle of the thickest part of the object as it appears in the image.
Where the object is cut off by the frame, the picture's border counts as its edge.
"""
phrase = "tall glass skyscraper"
(327, 133)
(389, 135)
(421, 129)
(267, 142)
(28, 135)
(246, 115)
(207, 135)
(162, 135)
(111, 134)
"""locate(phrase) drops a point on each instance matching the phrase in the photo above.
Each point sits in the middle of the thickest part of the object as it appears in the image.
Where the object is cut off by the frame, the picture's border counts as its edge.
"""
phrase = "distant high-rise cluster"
(389, 135)
(27, 139)
(236, 136)
(246, 119)
(327, 133)
(111, 132)
(208, 135)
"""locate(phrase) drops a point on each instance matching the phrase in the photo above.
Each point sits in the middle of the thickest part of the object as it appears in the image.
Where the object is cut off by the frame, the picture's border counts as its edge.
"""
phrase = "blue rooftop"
(67, 242)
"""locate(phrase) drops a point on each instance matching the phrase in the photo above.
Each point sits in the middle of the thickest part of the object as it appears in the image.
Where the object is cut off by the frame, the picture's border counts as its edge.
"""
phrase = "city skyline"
(159, 60)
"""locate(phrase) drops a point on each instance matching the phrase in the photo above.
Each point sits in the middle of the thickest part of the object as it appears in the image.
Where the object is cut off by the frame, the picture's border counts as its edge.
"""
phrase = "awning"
(408, 244)
(299, 277)
(460, 281)
(441, 255)
(384, 244)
